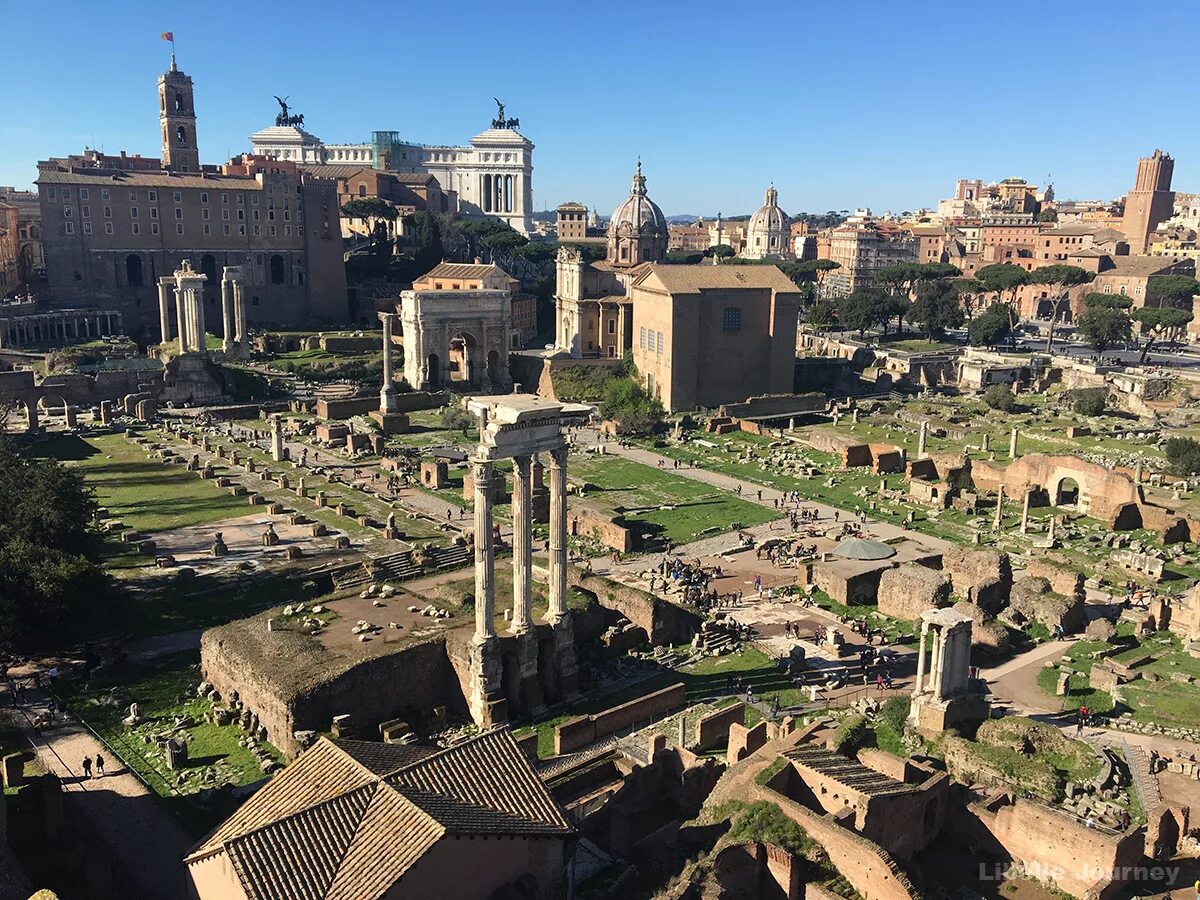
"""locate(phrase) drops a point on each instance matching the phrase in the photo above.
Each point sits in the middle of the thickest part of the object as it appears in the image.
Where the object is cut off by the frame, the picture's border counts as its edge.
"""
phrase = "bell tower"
(177, 114)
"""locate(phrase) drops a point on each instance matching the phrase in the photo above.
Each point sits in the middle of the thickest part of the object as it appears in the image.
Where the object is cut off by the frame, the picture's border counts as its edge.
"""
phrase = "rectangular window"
(287, 215)
(104, 195)
(87, 228)
(108, 228)
(179, 228)
(68, 227)
(68, 212)
(272, 230)
(642, 338)
(84, 194)
(178, 197)
(137, 229)
(255, 214)
(204, 214)
(224, 198)
(51, 193)
(85, 212)
(108, 212)
(154, 228)
(203, 196)
(225, 214)
(206, 229)
(226, 228)
(270, 215)
(154, 212)
(66, 194)
(154, 196)
(133, 213)
(132, 196)
(257, 230)
(241, 215)
(178, 212)
(254, 200)
(660, 343)
(241, 198)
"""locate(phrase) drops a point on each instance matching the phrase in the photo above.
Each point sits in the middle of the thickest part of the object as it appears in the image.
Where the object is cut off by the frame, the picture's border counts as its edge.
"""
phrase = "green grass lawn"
(142, 492)
(661, 503)
(163, 692)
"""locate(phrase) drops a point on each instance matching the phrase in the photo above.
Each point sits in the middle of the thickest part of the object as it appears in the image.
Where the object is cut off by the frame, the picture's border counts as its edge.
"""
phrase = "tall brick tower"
(177, 113)
(1151, 202)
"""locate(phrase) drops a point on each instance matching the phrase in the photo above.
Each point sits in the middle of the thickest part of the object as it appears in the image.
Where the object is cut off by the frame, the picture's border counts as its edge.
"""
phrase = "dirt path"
(147, 841)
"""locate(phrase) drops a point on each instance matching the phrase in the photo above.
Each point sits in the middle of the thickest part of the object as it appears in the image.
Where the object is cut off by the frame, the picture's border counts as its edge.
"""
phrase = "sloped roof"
(463, 270)
(702, 277)
(863, 548)
(347, 820)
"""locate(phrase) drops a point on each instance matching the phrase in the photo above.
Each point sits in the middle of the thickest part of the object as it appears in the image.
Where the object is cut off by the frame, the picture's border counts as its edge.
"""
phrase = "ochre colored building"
(706, 335)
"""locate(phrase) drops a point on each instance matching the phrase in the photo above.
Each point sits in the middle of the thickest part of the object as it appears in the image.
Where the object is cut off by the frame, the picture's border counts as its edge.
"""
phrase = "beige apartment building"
(114, 225)
(711, 334)
(861, 246)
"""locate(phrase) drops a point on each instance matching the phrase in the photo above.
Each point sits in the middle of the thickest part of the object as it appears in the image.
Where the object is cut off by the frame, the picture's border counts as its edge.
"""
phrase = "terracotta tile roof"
(692, 279)
(383, 758)
(332, 826)
(463, 270)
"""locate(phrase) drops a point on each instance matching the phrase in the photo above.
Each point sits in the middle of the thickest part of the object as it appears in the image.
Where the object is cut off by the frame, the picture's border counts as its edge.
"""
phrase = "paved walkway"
(147, 842)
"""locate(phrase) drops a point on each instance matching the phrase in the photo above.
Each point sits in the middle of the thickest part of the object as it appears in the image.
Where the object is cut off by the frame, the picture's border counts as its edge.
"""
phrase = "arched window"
(362, 190)
(181, 135)
(133, 270)
(732, 320)
(277, 269)
(178, 102)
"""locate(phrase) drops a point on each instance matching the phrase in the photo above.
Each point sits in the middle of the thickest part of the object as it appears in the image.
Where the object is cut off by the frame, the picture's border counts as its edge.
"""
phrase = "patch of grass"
(142, 492)
(771, 771)
(660, 503)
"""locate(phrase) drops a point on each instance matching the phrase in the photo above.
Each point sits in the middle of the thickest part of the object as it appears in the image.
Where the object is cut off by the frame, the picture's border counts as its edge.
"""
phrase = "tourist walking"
(87, 767)
(99, 766)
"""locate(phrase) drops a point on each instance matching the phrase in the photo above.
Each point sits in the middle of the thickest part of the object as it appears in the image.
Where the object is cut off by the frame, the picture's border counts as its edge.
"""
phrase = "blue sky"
(871, 103)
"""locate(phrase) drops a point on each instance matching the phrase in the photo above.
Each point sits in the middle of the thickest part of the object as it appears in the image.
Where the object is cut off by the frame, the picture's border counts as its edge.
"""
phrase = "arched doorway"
(433, 372)
(495, 371)
(464, 361)
(133, 271)
(1067, 493)
(52, 405)
(13, 421)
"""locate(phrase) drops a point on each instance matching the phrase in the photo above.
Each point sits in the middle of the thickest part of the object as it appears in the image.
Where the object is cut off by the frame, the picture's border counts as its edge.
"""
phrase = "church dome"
(767, 232)
(639, 214)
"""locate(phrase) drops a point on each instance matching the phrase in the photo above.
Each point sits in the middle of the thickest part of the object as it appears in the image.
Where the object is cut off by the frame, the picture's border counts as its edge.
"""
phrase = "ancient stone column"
(276, 438)
(522, 501)
(1137, 475)
(387, 395)
(239, 314)
(920, 680)
(226, 313)
(164, 308)
(485, 557)
(939, 650)
(999, 508)
(986, 444)
(1025, 512)
(922, 437)
(558, 535)
(1012, 443)
(180, 320)
(1050, 534)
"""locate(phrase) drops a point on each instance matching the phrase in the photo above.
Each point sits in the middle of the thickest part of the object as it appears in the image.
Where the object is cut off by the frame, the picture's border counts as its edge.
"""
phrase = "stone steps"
(400, 567)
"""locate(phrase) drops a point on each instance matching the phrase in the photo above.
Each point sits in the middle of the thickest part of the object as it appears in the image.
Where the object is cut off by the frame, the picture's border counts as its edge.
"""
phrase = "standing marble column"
(522, 501)
(1025, 511)
(1012, 443)
(387, 394)
(922, 437)
(999, 508)
(939, 649)
(227, 313)
(180, 319)
(239, 313)
(164, 307)
(485, 557)
(558, 535)
(919, 683)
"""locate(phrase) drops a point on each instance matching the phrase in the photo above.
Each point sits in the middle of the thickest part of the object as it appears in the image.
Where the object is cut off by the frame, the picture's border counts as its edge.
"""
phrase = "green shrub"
(1089, 401)
(1000, 397)
(851, 735)
(894, 712)
(1184, 455)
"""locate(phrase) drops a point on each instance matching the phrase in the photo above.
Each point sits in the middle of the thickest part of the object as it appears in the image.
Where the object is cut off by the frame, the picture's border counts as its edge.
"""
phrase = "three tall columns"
(187, 286)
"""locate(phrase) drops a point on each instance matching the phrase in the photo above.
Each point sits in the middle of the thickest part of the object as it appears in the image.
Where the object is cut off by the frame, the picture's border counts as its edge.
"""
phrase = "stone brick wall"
(606, 527)
(908, 590)
(1063, 580)
(743, 741)
(712, 729)
(584, 730)
(663, 621)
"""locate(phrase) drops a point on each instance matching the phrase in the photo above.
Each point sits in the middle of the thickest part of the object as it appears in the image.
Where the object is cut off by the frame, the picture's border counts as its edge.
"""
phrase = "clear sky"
(873, 103)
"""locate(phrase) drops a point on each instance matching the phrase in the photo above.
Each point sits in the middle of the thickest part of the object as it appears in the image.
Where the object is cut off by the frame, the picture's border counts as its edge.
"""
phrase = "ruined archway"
(52, 405)
(464, 360)
(1066, 492)
(433, 372)
(495, 372)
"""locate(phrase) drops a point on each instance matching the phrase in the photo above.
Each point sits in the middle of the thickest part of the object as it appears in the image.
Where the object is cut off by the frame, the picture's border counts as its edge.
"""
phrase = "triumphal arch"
(519, 427)
(457, 338)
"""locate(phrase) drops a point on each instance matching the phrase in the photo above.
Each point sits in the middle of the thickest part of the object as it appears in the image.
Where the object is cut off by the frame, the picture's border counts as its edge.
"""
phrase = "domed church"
(593, 316)
(767, 235)
(637, 231)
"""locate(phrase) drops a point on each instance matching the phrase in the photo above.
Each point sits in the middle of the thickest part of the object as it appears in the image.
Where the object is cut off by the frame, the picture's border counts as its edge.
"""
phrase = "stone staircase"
(400, 566)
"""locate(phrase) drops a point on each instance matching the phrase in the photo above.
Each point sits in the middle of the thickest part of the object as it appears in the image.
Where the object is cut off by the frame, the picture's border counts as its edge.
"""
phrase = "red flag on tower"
(168, 36)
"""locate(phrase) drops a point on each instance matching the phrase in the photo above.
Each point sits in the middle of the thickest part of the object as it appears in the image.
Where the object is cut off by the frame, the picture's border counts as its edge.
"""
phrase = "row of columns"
(188, 289)
(499, 193)
(49, 328)
(949, 660)
(483, 471)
